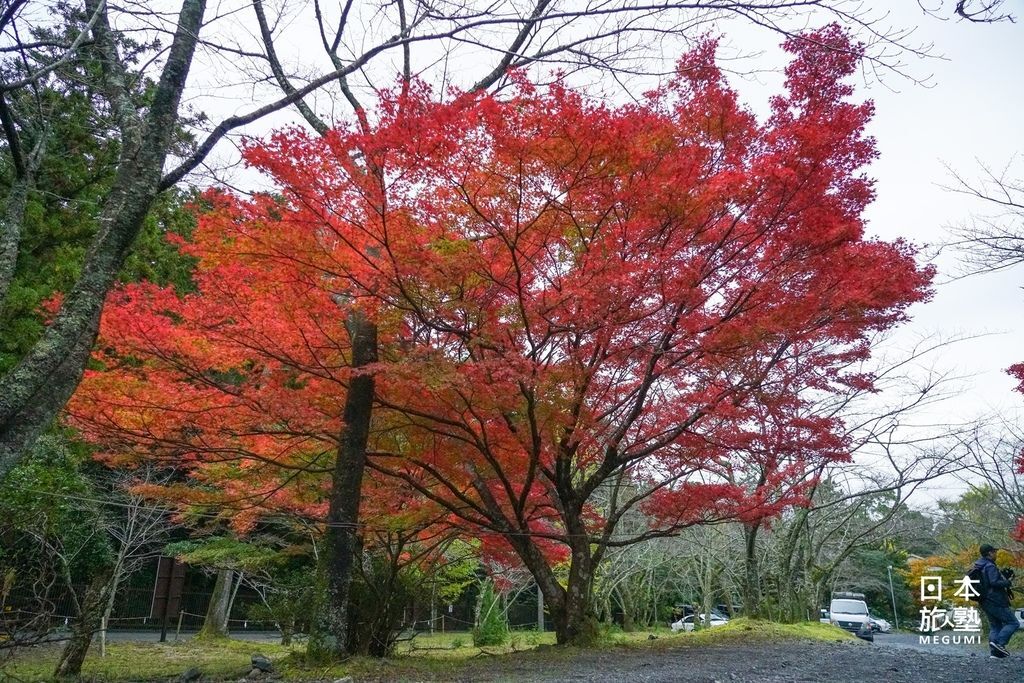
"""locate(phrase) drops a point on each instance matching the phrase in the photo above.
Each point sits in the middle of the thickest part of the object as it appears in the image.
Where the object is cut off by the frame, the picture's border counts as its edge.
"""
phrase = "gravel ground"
(790, 662)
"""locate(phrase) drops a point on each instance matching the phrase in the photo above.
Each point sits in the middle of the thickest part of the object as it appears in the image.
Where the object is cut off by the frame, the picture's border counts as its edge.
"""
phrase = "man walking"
(995, 601)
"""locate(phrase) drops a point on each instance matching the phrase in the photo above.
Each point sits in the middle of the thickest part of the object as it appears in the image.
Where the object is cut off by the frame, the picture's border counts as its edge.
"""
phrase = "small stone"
(652, 637)
(346, 679)
(262, 663)
(191, 675)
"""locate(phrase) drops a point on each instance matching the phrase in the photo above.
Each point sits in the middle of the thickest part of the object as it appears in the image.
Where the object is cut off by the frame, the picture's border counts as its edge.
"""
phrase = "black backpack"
(976, 574)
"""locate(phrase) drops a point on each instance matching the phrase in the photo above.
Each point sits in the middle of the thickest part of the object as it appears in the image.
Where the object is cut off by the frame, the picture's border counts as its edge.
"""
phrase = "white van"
(849, 612)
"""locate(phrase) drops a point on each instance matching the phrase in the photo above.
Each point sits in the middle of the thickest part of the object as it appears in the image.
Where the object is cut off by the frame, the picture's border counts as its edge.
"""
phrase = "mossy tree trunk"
(343, 543)
(90, 614)
(215, 625)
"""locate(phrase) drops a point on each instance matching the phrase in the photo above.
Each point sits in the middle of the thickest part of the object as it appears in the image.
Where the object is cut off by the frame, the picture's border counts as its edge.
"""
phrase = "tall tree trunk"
(790, 576)
(215, 625)
(10, 232)
(575, 621)
(540, 610)
(83, 628)
(343, 541)
(234, 592)
(708, 597)
(628, 608)
(554, 595)
(752, 572)
(25, 169)
(108, 608)
(36, 389)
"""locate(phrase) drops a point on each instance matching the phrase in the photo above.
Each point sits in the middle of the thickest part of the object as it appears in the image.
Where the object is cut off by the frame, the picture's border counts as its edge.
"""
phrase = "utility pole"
(892, 595)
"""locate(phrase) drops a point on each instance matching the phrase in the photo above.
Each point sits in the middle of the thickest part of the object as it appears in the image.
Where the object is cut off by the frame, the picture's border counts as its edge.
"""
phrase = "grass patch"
(743, 629)
(227, 659)
(428, 656)
(456, 646)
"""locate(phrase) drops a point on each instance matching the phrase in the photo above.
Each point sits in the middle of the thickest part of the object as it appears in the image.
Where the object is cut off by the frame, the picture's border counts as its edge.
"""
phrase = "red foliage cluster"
(1017, 372)
(571, 299)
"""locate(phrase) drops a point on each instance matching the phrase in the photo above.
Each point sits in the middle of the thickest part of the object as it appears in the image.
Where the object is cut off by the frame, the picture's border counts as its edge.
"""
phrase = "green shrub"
(492, 627)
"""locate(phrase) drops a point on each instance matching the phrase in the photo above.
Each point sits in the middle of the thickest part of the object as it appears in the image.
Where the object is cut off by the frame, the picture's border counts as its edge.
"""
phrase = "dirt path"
(756, 663)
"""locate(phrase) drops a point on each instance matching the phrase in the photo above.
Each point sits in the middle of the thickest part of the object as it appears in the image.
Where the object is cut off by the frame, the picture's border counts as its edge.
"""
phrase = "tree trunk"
(234, 593)
(36, 389)
(791, 572)
(707, 587)
(10, 232)
(108, 608)
(575, 621)
(87, 623)
(540, 610)
(25, 169)
(215, 625)
(343, 541)
(607, 613)
(626, 601)
(752, 572)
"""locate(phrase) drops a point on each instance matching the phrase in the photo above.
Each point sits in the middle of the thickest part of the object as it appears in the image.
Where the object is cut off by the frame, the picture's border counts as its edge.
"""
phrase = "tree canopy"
(567, 296)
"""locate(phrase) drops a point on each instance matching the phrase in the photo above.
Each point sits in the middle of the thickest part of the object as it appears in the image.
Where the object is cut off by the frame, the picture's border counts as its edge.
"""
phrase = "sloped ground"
(790, 662)
(743, 651)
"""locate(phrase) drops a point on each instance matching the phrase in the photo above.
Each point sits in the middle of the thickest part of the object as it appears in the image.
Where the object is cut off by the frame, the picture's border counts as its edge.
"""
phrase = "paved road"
(790, 662)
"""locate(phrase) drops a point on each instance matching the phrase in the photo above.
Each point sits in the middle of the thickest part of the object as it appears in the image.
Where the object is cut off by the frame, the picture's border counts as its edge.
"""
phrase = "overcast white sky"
(972, 115)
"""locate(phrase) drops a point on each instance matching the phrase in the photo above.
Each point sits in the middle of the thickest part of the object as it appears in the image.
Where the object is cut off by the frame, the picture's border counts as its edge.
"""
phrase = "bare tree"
(894, 450)
(981, 11)
(994, 454)
(138, 530)
(994, 240)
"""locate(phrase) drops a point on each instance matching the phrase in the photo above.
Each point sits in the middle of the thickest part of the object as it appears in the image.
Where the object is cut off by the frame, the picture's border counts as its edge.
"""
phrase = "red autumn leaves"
(566, 294)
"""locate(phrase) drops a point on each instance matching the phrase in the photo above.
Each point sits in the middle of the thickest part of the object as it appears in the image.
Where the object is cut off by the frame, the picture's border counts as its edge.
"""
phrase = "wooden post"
(433, 610)
(170, 581)
(103, 636)
(177, 633)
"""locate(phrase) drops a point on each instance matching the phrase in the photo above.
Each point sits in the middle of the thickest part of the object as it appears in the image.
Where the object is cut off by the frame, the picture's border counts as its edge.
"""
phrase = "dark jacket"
(993, 584)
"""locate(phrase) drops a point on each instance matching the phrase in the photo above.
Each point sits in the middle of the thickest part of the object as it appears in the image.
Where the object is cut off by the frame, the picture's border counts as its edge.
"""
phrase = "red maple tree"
(577, 311)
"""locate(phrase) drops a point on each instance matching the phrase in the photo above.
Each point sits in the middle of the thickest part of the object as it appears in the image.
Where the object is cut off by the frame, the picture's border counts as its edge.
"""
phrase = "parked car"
(686, 623)
(1020, 616)
(824, 617)
(879, 625)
